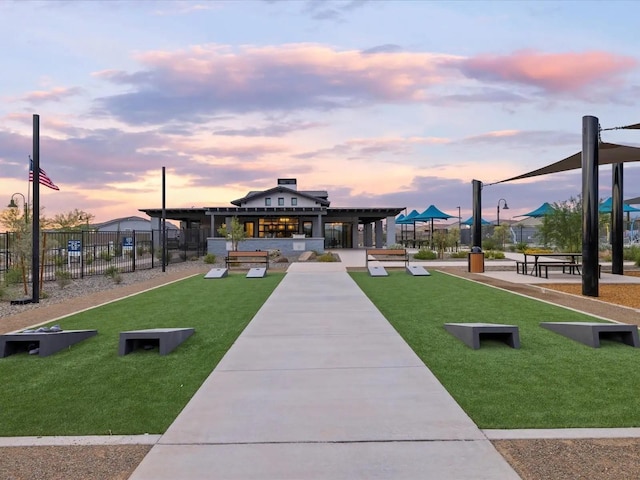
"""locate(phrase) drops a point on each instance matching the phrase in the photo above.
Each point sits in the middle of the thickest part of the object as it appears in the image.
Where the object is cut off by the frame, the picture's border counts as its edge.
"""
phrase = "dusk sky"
(381, 103)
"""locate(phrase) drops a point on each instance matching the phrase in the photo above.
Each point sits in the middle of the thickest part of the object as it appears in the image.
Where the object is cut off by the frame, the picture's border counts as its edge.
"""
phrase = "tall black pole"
(35, 242)
(164, 222)
(617, 220)
(477, 213)
(590, 126)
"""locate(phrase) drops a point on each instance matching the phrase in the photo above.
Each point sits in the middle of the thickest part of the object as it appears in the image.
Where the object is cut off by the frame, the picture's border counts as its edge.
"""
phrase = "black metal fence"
(84, 253)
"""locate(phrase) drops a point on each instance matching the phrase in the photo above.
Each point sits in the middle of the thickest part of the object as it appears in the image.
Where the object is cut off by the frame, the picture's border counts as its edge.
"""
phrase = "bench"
(387, 255)
(590, 333)
(571, 267)
(384, 255)
(235, 258)
(574, 268)
(47, 343)
(166, 339)
(472, 333)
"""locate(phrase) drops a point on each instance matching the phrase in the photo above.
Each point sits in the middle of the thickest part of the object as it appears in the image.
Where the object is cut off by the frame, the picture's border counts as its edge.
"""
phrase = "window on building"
(267, 202)
(280, 202)
(282, 227)
(294, 201)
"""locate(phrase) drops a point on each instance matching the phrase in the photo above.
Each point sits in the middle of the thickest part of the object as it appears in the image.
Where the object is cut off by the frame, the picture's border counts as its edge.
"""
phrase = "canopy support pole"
(590, 260)
(617, 219)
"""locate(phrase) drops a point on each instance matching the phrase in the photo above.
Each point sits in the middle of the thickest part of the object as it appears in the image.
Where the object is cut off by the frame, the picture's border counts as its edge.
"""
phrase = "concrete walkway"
(320, 386)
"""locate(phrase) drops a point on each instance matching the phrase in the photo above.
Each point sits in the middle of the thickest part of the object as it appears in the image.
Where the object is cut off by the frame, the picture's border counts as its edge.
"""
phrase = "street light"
(506, 207)
(459, 226)
(13, 204)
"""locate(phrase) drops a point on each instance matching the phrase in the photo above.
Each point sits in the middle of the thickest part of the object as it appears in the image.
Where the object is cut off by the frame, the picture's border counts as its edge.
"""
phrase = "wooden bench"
(235, 258)
(387, 255)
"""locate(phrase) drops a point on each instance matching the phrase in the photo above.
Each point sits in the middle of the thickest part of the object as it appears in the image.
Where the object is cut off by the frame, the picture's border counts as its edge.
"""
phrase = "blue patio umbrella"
(541, 211)
(408, 220)
(469, 221)
(607, 207)
(429, 215)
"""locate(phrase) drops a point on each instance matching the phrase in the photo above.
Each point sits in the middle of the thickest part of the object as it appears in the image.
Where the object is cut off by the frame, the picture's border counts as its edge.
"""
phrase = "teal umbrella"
(541, 211)
(469, 221)
(429, 215)
(408, 220)
(607, 207)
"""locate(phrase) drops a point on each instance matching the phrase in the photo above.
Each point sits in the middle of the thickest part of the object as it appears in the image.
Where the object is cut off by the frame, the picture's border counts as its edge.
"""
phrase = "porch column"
(318, 231)
(379, 234)
(354, 232)
(368, 235)
(391, 230)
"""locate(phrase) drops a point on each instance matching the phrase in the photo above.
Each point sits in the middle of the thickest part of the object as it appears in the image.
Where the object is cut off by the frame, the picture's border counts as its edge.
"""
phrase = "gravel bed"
(53, 294)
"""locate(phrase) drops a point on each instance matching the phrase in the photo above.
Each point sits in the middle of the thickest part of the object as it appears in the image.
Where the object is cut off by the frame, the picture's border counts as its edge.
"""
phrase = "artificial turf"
(550, 382)
(90, 389)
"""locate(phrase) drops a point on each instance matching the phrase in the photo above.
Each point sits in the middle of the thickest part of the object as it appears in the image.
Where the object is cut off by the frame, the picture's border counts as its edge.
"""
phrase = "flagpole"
(35, 253)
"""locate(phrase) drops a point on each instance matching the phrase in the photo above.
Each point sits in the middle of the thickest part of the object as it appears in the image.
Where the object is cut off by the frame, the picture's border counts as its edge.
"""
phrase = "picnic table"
(568, 261)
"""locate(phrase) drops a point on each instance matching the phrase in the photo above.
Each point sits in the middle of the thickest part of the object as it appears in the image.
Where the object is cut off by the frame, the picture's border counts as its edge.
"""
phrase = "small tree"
(235, 233)
(562, 227)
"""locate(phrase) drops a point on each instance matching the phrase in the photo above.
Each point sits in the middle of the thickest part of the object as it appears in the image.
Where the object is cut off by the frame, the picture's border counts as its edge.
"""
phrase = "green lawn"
(550, 382)
(90, 389)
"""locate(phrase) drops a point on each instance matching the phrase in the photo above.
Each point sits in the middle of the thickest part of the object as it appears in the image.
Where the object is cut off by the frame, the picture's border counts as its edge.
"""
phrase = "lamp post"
(506, 207)
(459, 226)
(13, 204)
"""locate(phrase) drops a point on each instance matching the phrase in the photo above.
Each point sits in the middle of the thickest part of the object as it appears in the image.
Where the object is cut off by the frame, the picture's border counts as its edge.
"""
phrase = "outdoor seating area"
(384, 255)
(538, 264)
(236, 258)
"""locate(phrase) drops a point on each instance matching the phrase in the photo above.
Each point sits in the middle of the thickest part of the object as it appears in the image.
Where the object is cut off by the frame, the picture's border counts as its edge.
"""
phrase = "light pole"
(13, 204)
(506, 207)
(459, 227)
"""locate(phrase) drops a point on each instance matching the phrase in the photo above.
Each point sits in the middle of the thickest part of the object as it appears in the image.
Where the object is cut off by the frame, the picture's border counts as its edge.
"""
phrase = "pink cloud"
(553, 72)
(56, 94)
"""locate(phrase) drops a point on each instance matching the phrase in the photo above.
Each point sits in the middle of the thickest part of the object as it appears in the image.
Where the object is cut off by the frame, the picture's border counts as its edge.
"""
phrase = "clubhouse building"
(286, 219)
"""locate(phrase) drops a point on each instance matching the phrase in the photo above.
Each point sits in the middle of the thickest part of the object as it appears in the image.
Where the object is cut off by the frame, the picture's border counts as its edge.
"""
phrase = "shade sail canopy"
(608, 153)
(408, 220)
(607, 207)
(432, 213)
(541, 211)
(469, 221)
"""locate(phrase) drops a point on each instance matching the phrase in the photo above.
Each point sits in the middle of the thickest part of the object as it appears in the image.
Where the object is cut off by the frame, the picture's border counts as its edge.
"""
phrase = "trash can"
(475, 261)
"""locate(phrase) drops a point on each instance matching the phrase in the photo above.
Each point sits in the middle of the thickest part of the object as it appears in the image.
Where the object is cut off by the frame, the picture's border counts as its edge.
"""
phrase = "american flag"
(44, 178)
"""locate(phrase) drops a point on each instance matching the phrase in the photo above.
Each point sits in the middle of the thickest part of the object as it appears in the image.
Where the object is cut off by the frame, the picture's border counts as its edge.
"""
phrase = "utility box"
(476, 262)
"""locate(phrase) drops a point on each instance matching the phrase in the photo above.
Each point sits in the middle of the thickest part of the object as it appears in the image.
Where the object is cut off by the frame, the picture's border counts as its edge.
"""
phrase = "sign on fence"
(74, 250)
(127, 245)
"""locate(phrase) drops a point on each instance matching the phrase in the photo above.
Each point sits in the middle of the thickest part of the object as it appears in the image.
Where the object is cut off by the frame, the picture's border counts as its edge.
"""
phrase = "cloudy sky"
(383, 104)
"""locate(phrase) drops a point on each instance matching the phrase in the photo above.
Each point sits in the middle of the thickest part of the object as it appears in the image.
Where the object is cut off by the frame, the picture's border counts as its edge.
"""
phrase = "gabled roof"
(319, 196)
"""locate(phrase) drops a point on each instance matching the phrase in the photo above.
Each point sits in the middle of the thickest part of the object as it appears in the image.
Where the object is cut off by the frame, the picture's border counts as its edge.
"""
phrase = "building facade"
(289, 220)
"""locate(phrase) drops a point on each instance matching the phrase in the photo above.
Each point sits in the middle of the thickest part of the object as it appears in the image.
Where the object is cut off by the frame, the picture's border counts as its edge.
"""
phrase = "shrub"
(425, 254)
(105, 255)
(459, 254)
(493, 255)
(489, 244)
(631, 253)
(13, 276)
(111, 271)
(63, 278)
(395, 246)
(327, 257)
